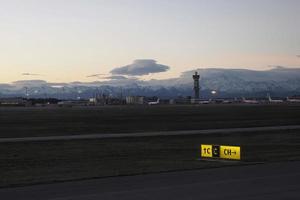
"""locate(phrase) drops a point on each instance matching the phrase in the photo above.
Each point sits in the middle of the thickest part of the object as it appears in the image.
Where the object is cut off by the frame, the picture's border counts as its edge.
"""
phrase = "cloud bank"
(30, 74)
(115, 77)
(94, 75)
(140, 68)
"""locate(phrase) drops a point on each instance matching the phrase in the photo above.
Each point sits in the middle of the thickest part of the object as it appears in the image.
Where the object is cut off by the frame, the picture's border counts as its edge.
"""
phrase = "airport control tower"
(196, 78)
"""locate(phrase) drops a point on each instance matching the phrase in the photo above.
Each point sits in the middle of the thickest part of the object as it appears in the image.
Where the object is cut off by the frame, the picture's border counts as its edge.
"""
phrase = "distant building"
(182, 100)
(172, 101)
(196, 78)
(14, 102)
(134, 100)
(93, 100)
(71, 103)
(195, 101)
(99, 100)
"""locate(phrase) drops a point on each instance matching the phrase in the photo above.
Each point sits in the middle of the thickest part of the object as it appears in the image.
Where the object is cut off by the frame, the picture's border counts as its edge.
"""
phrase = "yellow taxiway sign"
(221, 151)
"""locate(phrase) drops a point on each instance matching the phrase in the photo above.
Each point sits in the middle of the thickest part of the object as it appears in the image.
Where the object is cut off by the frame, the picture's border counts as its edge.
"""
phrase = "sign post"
(221, 152)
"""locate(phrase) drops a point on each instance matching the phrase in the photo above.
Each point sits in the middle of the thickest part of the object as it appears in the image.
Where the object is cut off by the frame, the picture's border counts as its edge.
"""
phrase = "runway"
(148, 134)
(260, 181)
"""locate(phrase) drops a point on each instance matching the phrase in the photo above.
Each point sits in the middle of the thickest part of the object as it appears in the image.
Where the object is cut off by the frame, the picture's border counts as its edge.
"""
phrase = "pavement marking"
(148, 134)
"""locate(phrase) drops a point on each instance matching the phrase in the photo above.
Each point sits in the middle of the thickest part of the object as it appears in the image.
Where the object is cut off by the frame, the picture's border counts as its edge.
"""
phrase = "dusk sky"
(67, 40)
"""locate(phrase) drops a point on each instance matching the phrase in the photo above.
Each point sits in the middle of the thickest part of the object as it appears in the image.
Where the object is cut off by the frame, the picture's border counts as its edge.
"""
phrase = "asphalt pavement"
(148, 134)
(260, 181)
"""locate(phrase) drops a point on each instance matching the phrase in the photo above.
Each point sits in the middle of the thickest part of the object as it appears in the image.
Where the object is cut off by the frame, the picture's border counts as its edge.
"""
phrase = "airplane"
(249, 101)
(154, 102)
(205, 101)
(227, 101)
(274, 101)
(292, 100)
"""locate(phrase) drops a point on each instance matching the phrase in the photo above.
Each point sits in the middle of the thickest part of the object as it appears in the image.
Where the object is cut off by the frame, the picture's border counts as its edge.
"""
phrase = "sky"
(68, 40)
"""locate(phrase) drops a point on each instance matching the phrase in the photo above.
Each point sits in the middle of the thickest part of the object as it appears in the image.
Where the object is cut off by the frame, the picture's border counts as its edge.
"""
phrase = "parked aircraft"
(205, 101)
(154, 102)
(273, 100)
(249, 101)
(292, 100)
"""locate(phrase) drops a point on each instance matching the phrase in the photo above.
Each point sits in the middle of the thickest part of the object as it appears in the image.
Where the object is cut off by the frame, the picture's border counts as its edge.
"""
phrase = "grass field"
(25, 122)
(49, 161)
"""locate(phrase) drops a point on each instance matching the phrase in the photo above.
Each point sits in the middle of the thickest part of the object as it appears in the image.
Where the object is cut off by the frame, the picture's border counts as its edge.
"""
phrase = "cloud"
(29, 83)
(30, 74)
(115, 77)
(274, 67)
(94, 75)
(140, 67)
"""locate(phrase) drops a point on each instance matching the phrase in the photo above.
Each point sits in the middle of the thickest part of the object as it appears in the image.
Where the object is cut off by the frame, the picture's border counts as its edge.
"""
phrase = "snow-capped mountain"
(279, 81)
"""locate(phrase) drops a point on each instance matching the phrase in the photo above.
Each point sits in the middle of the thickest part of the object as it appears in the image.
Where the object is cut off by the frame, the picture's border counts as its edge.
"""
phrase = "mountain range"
(278, 81)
